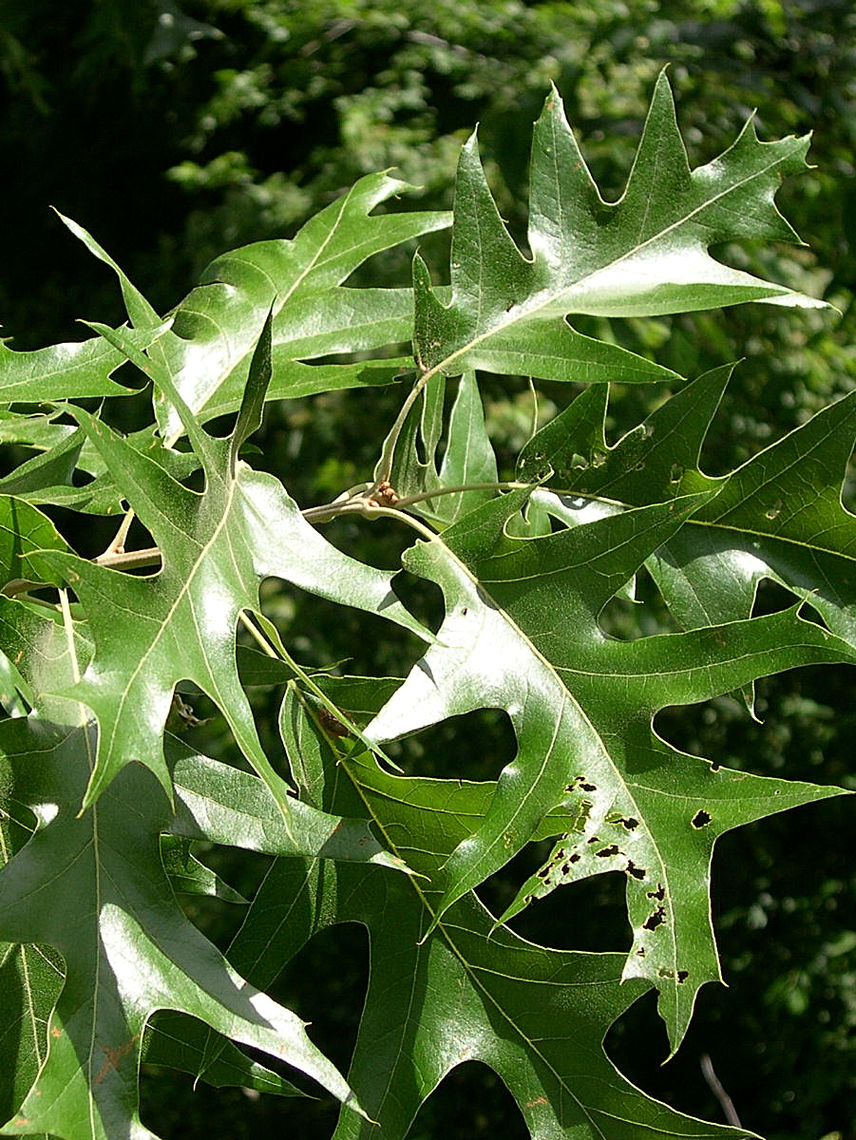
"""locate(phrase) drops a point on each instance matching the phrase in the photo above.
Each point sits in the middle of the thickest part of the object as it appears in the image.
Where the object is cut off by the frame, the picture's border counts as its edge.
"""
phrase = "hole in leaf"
(680, 976)
(774, 511)
(656, 919)
(701, 818)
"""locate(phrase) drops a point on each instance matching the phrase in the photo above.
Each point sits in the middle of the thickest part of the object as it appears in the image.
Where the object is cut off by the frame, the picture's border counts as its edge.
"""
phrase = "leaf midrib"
(524, 313)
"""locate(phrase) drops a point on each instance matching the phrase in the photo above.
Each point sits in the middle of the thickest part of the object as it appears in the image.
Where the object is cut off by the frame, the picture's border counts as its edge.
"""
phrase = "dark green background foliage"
(176, 131)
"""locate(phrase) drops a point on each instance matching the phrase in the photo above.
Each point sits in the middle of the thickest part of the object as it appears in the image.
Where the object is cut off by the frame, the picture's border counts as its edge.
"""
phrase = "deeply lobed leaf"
(645, 255)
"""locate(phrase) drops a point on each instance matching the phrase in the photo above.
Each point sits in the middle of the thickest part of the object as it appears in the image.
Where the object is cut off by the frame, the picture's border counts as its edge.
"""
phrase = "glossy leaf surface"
(574, 604)
(105, 904)
(441, 993)
(521, 634)
(645, 255)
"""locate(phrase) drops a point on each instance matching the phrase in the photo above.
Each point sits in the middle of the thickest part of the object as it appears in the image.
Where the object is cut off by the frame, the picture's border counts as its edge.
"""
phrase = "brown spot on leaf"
(114, 1058)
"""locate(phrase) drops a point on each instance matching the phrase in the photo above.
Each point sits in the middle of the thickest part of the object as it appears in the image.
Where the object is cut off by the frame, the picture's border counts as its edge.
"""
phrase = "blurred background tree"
(176, 130)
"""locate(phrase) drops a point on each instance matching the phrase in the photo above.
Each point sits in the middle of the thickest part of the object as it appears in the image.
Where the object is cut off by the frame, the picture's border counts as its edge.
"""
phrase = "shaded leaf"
(179, 1042)
(778, 516)
(189, 876)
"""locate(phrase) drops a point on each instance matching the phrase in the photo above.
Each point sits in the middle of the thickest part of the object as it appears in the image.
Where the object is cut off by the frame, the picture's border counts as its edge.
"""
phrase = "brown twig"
(715, 1086)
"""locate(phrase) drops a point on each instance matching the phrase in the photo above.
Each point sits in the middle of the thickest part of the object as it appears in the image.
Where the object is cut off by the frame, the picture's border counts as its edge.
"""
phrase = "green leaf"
(101, 969)
(646, 254)
(521, 634)
(140, 312)
(50, 477)
(189, 876)
(54, 466)
(216, 548)
(179, 1042)
(107, 907)
(66, 371)
(439, 995)
(24, 532)
(300, 283)
(779, 516)
(468, 460)
(218, 803)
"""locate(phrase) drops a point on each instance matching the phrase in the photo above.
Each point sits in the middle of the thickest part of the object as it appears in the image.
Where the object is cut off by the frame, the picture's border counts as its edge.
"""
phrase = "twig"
(715, 1086)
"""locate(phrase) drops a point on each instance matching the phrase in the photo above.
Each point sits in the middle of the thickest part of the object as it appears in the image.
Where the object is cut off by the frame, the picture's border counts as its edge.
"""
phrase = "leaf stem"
(384, 464)
(260, 639)
(130, 559)
(506, 485)
(364, 503)
(68, 625)
(117, 546)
